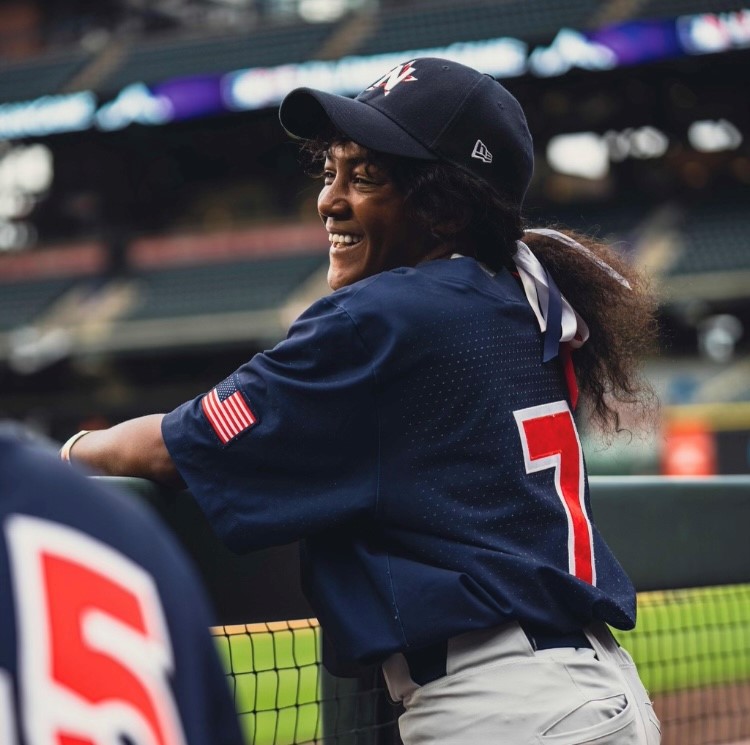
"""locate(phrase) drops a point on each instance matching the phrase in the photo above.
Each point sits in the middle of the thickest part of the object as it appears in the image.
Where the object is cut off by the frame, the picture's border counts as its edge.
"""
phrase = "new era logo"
(481, 152)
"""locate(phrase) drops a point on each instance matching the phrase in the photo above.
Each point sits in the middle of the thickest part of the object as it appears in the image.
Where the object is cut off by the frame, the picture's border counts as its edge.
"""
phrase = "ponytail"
(619, 311)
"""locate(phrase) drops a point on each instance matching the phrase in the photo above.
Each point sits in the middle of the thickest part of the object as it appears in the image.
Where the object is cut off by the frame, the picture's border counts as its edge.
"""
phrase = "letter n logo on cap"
(393, 77)
(481, 152)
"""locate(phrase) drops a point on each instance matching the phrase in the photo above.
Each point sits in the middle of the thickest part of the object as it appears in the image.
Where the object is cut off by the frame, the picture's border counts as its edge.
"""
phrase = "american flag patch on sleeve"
(227, 411)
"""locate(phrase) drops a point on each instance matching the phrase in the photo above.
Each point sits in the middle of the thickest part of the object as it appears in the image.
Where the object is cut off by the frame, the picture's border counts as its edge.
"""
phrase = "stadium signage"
(47, 115)
(710, 33)
(259, 87)
(178, 99)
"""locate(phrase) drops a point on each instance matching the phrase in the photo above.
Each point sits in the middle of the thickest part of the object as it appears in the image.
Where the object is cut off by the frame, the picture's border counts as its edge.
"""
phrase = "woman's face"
(367, 221)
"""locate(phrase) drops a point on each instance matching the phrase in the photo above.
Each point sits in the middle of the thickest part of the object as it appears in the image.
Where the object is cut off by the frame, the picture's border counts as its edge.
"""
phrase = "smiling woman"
(416, 429)
(367, 218)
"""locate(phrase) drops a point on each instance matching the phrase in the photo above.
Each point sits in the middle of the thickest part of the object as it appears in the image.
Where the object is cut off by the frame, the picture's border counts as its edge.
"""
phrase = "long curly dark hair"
(459, 208)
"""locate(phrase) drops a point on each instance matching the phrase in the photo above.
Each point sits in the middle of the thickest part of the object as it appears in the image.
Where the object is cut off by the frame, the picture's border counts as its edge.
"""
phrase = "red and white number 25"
(550, 440)
(95, 653)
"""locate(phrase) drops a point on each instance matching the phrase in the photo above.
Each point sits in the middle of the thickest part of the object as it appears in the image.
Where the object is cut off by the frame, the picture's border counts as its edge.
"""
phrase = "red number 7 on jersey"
(550, 440)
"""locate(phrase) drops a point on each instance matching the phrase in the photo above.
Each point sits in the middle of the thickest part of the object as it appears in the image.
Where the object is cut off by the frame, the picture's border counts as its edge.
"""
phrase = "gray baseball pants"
(499, 691)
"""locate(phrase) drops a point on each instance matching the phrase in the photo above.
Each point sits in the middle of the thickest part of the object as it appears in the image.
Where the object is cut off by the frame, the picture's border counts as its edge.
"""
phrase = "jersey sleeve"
(287, 445)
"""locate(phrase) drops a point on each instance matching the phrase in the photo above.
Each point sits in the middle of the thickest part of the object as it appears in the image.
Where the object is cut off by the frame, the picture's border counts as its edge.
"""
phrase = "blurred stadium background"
(156, 229)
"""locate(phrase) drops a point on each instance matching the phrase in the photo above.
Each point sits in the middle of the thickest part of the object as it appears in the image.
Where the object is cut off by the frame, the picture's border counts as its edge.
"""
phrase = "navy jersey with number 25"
(104, 627)
(408, 430)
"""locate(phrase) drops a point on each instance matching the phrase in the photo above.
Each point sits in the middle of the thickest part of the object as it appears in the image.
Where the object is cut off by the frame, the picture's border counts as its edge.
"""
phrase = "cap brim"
(306, 113)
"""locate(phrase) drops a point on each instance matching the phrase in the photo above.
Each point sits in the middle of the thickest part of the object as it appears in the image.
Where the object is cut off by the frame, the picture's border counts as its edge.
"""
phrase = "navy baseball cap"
(431, 109)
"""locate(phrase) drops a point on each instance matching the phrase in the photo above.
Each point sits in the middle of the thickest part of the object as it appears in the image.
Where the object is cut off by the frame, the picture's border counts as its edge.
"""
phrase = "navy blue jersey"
(104, 628)
(408, 430)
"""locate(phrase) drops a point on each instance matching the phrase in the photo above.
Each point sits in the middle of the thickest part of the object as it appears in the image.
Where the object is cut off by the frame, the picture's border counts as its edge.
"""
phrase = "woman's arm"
(132, 448)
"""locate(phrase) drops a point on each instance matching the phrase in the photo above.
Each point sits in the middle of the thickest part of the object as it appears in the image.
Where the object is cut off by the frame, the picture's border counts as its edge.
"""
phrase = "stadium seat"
(427, 26)
(22, 302)
(714, 239)
(151, 61)
(221, 288)
(25, 81)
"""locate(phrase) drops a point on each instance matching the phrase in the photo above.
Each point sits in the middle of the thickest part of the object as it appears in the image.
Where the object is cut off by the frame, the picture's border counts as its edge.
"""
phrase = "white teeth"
(344, 238)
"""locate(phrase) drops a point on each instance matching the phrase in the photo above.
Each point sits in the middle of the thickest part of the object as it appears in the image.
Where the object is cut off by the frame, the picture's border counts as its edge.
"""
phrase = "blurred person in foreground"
(104, 632)
(416, 427)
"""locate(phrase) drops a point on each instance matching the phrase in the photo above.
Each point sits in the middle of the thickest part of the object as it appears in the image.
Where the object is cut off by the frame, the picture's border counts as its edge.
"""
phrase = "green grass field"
(684, 639)
(691, 638)
(274, 674)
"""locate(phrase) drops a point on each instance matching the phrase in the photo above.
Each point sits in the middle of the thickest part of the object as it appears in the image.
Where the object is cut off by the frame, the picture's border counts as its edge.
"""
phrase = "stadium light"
(641, 143)
(589, 155)
(135, 103)
(709, 136)
(582, 154)
(26, 173)
(571, 49)
(33, 168)
(15, 236)
(718, 335)
(322, 11)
